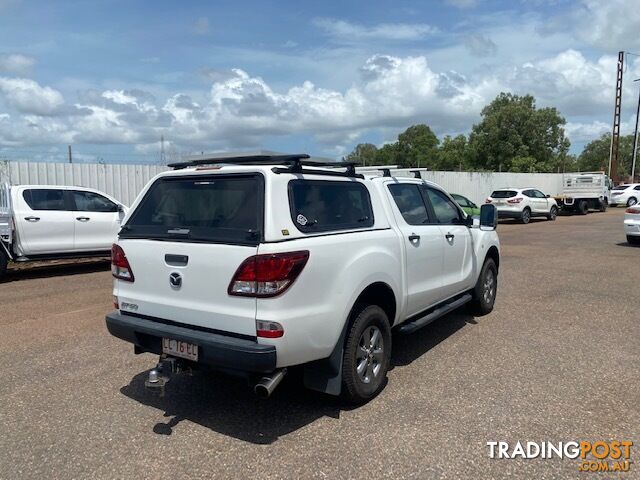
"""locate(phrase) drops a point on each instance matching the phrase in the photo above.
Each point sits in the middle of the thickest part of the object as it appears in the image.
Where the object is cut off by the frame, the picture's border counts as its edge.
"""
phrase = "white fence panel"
(125, 181)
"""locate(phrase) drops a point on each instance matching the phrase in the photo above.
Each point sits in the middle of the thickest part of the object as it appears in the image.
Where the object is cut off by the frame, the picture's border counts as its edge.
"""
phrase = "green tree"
(595, 155)
(387, 154)
(453, 153)
(417, 147)
(364, 154)
(512, 127)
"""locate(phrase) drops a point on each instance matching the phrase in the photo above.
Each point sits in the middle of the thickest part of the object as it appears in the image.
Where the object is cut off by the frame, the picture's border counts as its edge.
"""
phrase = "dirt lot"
(558, 360)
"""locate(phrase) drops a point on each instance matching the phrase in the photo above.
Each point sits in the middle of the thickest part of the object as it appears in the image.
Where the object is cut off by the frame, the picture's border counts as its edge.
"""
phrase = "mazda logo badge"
(175, 280)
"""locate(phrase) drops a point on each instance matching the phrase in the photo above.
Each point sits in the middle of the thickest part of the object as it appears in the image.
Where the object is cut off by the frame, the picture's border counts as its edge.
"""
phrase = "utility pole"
(70, 156)
(635, 140)
(615, 136)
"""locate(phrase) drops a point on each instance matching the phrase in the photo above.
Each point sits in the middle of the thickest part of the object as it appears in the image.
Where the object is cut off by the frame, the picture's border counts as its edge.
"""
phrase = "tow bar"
(162, 373)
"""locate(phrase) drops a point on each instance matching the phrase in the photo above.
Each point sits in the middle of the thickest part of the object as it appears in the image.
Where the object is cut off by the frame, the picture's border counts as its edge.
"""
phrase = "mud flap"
(326, 375)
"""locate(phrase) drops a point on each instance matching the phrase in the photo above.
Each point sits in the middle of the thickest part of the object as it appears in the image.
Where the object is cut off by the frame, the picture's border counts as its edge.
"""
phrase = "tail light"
(120, 267)
(514, 200)
(267, 275)
(633, 210)
(488, 200)
(266, 329)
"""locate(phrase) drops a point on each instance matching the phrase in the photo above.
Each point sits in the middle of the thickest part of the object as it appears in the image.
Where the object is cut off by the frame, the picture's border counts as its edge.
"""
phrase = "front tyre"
(553, 213)
(484, 293)
(367, 355)
(603, 205)
(631, 202)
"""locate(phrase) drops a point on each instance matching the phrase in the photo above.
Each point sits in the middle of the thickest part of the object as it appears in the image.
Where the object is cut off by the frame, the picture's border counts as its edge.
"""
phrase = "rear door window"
(45, 199)
(410, 203)
(199, 208)
(321, 206)
(503, 194)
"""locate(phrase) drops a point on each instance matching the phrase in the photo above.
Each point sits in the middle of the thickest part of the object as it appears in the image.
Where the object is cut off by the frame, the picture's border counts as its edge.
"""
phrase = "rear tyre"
(526, 216)
(484, 293)
(632, 240)
(367, 355)
(632, 201)
(553, 213)
(4, 260)
(603, 205)
(583, 207)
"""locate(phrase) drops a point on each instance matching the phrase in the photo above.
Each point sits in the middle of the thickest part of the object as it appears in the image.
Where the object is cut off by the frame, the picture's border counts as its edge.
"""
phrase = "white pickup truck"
(254, 264)
(50, 222)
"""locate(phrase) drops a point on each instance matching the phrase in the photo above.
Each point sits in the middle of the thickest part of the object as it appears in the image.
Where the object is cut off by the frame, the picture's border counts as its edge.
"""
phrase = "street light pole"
(635, 139)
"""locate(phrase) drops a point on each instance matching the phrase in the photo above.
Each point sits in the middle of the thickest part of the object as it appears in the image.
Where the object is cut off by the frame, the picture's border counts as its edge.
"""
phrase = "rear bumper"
(509, 213)
(214, 350)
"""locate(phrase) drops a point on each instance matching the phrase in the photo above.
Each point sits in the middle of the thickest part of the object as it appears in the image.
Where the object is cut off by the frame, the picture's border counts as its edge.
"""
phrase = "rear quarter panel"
(314, 309)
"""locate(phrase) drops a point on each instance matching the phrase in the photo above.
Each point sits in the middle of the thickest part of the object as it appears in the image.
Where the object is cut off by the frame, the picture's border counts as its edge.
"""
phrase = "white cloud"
(201, 26)
(462, 3)
(16, 63)
(347, 31)
(612, 24)
(28, 96)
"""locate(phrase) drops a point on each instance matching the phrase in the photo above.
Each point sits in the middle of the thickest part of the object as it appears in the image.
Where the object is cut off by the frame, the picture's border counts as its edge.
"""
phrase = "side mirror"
(120, 208)
(488, 217)
(548, 196)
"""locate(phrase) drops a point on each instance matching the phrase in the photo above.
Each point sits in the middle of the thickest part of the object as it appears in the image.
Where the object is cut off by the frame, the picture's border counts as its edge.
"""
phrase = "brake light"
(488, 200)
(633, 210)
(120, 267)
(267, 275)
(514, 200)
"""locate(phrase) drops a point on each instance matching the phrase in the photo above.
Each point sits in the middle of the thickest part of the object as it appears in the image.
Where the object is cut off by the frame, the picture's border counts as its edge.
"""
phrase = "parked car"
(49, 222)
(583, 191)
(523, 203)
(627, 194)
(254, 264)
(467, 205)
(632, 224)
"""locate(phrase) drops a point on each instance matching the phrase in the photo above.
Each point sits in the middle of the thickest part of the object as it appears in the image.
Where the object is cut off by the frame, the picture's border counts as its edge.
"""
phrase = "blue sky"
(111, 77)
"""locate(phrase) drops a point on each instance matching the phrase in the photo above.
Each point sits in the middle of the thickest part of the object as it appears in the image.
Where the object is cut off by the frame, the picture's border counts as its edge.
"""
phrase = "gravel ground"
(557, 360)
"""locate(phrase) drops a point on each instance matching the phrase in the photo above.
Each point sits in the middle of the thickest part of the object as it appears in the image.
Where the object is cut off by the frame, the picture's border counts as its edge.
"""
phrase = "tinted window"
(529, 193)
(443, 207)
(637, 188)
(503, 194)
(320, 206)
(223, 209)
(463, 202)
(44, 199)
(620, 187)
(410, 203)
(92, 202)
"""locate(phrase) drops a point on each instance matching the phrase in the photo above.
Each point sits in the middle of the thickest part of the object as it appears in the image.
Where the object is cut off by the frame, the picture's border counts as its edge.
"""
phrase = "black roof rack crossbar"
(386, 172)
(416, 173)
(243, 159)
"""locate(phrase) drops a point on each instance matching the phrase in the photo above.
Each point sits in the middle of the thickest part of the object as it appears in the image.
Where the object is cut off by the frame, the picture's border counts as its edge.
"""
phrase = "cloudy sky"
(110, 77)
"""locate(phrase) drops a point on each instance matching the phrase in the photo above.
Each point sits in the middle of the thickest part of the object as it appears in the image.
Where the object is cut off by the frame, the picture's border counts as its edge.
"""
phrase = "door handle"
(449, 236)
(414, 238)
(83, 219)
(32, 219)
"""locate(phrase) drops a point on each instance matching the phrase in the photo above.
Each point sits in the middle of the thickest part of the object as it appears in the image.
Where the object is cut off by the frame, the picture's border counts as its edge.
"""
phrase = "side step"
(413, 325)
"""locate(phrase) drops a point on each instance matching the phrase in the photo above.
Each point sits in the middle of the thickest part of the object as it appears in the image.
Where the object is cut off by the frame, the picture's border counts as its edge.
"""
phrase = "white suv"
(628, 194)
(523, 203)
(252, 264)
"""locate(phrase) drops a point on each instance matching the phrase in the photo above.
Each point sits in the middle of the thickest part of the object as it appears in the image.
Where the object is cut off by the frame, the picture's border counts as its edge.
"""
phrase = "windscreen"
(503, 194)
(220, 209)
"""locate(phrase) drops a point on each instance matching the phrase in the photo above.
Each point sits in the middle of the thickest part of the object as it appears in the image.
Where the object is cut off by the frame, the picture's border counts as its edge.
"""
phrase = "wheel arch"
(493, 254)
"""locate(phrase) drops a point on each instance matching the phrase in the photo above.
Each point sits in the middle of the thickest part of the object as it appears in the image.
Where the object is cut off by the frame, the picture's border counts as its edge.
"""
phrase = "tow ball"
(166, 368)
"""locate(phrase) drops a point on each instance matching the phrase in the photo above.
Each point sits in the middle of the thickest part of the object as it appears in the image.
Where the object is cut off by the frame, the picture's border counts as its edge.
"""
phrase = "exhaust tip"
(265, 387)
(261, 391)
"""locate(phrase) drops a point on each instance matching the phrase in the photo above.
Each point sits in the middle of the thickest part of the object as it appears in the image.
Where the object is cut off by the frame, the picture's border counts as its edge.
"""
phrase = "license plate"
(180, 349)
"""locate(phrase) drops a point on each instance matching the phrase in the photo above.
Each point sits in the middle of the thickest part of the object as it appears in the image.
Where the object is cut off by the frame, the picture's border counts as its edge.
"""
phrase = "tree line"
(513, 135)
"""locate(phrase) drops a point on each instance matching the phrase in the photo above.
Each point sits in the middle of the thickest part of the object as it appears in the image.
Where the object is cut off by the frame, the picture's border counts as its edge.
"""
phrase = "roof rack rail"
(294, 163)
(416, 173)
(386, 172)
